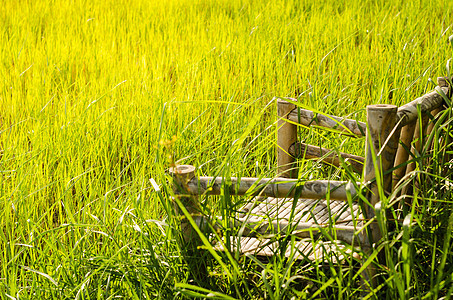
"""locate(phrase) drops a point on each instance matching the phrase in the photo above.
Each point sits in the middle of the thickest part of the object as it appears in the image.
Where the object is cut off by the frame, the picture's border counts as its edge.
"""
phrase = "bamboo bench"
(329, 209)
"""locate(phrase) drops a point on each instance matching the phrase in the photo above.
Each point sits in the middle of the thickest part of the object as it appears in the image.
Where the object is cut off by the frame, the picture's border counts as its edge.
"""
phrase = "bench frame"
(390, 132)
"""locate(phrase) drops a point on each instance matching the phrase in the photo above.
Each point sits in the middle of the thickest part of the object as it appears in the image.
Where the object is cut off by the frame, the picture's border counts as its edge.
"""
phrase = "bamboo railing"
(392, 134)
(309, 118)
(290, 115)
(267, 187)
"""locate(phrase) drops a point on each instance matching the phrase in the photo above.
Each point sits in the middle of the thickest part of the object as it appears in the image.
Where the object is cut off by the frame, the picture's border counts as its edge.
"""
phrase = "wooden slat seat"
(311, 211)
(305, 249)
(307, 211)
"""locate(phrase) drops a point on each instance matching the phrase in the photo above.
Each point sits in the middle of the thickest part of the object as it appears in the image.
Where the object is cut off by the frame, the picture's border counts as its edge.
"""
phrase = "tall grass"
(96, 97)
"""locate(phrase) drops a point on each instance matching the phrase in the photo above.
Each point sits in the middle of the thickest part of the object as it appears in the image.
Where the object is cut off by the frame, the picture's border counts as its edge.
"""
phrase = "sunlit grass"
(96, 97)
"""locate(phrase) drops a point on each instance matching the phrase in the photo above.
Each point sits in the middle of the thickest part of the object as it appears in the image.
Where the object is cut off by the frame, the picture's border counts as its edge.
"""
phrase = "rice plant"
(99, 97)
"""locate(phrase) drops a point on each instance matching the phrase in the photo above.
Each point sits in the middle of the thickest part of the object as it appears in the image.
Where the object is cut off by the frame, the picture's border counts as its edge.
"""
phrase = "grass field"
(97, 97)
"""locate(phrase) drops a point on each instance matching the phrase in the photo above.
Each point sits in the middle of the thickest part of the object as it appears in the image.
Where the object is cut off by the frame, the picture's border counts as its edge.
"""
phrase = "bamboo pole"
(190, 241)
(309, 152)
(308, 118)
(419, 136)
(381, 146)
(402, 154)
(429, 130)
(432, 122)
(272, 187)
(408, 113)
(182, 176)
(286, 136)
(428, 148)
(445, 82)
(442, 81)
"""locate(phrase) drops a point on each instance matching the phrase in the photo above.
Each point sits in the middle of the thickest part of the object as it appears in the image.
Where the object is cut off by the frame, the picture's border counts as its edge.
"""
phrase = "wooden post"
(286, 136)
(381, 120)
(444, 82)
(189, 240)
(182, 175)
(381, 146)
(434, 113)
(429, 131)
(419, 135)
(407, 133)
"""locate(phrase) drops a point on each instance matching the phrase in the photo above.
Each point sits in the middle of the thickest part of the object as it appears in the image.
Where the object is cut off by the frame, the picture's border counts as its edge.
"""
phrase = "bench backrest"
(394, 137)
